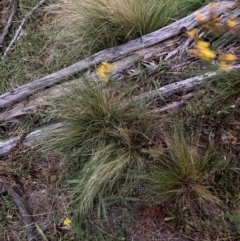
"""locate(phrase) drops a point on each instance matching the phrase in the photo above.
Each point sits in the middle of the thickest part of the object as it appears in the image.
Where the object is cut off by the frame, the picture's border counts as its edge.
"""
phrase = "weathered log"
(40, 99)
(34, 137)
(183, 86)
(112, 54)
(163, 92)
(170, 106)
(25, 213)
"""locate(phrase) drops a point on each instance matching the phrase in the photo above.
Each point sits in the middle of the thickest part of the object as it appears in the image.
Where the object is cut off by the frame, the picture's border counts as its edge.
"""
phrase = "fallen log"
(181, 86)
(42, 98)
(113, 54)
(36, 137)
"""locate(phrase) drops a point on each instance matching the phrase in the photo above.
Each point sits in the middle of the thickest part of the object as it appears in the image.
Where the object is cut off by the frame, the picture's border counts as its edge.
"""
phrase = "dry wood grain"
(112, 54)
(164, 92)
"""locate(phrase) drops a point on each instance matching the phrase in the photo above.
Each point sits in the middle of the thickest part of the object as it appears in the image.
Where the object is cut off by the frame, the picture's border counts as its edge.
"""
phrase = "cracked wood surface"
(112, 54)
(36, 137)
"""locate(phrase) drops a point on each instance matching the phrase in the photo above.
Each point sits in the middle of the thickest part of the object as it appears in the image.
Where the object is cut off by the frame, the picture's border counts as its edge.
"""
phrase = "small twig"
(9, 22)
(20, 28)
(171, 106)
(15, 193)
(31, 139)
(25, 213)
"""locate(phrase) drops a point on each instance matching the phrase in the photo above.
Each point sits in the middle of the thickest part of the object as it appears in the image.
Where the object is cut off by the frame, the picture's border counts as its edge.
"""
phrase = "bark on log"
(38, 136)
(35, 137)
(181, 86)
(112, 54)
(40, 99)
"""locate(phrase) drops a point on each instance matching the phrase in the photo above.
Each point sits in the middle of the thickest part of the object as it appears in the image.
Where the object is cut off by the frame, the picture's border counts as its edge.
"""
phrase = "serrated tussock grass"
(100, 24)
(102, 142)
(185, 173)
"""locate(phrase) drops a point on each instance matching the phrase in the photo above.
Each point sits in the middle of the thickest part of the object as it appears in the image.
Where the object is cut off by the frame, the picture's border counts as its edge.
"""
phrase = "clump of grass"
(99, 24)
(102, 142)
(185, 173)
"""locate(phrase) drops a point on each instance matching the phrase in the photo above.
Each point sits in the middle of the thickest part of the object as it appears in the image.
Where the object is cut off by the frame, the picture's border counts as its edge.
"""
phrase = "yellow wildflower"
(223, 65)
(192, 33)
(227, 57)
(214, 6)
(207, 54)
(202, 50)
(104, 69)
(202, 44)
(226, 60)
(67, 222)
(231, 23)
(200, 17)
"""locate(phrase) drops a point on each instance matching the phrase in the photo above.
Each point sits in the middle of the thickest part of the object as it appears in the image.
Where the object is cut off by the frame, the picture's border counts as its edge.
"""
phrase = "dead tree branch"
(34, 137)
(9, 22)
(16, 35)
(112, 54)
(21, 204)
(164, 92)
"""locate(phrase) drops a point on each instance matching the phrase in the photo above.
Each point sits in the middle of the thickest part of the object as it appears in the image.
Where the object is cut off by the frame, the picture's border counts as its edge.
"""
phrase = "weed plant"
(102, 142)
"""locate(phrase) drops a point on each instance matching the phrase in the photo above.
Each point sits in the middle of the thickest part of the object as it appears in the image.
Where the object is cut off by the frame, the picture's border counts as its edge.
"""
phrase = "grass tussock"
(185, 174)
(102, 142)
(99, 24)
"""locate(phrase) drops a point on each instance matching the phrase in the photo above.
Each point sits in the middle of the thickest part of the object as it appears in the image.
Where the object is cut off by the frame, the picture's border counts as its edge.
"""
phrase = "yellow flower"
(228, 57)
(200, 17)
(207, 54)
(202, 50)
(192, 33)
(226, 60)
(67, 222)
(231, 23)
(214, 6)
(202, 44)
(223, 65)
(104, 69)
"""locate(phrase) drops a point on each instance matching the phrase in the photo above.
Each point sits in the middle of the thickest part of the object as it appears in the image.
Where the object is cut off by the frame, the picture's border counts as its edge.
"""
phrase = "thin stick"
(20, 28)
(173, 105)
(9, 22)
(25, 213)
(15, 192)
